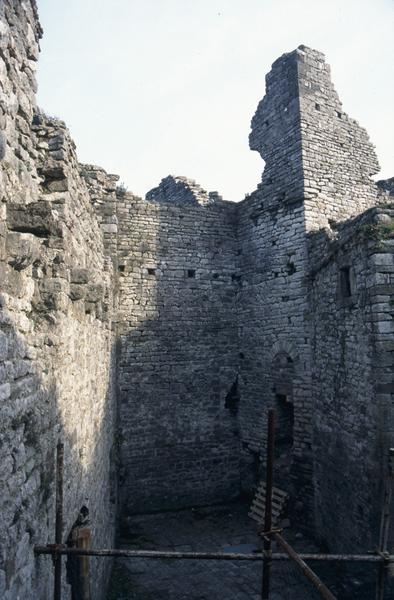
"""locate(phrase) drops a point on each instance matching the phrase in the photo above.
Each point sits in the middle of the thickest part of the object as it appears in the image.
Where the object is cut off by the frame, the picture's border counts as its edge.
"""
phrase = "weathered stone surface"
(387, 185)
(177, 353)
(79, 276)
(3, 145)
(56, 360)
(37, 218)
(218, 312)
(22, 250)
(300, 234)
(180, 190)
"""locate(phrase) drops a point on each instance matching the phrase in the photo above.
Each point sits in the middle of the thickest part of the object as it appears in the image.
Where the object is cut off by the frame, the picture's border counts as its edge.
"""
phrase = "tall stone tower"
(274, 332)
(305, 330)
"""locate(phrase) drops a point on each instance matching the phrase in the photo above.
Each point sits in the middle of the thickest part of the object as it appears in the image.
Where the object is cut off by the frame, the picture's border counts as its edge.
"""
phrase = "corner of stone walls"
(219, 309)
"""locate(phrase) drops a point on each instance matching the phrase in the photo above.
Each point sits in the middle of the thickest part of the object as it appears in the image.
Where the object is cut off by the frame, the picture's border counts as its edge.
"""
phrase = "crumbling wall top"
(181, 190)
(386, 186)
(313, 151)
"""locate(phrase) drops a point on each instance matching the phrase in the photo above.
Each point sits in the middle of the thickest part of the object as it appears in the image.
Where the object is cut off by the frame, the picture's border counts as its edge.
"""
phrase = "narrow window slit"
(345, 283)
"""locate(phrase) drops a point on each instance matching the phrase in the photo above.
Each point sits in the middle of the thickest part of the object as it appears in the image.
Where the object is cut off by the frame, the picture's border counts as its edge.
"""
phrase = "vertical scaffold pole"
(57, 590)
(385, 524)
(267, 550)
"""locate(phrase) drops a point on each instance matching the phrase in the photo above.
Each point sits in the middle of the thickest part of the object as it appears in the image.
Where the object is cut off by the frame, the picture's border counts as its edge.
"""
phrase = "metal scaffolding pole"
(381, 557)
(267, 551)
(52, 549)
(57, 591)
(385, 525)
(307, 571)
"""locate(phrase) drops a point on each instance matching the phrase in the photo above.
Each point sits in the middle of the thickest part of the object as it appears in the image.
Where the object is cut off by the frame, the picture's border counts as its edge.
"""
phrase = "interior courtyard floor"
(226, 528)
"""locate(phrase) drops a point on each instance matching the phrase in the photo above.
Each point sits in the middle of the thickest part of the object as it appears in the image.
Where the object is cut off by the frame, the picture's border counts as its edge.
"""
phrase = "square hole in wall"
(191, 273)
(121, 268)
(291, 268)
(317, 106)
(151, 271)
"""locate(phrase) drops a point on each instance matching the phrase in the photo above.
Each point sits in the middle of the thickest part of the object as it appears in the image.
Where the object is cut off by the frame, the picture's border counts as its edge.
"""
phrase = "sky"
(150, 88)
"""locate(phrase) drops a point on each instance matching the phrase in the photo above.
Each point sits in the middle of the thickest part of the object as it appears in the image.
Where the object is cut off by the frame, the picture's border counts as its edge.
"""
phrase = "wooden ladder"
(257, 510)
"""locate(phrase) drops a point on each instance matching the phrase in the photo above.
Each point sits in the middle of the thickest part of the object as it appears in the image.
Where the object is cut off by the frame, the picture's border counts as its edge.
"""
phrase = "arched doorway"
(283, 376)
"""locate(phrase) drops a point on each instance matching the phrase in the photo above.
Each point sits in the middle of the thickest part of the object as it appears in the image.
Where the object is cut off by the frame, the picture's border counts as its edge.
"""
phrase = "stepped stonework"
(152, 335)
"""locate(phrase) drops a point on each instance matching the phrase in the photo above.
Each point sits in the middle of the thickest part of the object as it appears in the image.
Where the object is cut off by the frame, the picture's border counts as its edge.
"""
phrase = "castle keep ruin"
(152, 335)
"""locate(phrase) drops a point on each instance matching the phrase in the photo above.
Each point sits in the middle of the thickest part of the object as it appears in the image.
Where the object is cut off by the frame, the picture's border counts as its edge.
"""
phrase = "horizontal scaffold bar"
(164, 554)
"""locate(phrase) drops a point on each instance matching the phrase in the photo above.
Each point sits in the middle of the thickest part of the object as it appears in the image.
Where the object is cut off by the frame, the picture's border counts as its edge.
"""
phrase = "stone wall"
(274, 336)
(352, 308)
(299, 348)
(56, 342)
(181, 190)
(338, 158)
(177, 353)
(20, 32)
(351, 417)
(201, 314)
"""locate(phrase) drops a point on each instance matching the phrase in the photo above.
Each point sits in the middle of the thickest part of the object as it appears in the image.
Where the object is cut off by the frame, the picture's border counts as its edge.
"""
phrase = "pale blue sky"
(153, 87)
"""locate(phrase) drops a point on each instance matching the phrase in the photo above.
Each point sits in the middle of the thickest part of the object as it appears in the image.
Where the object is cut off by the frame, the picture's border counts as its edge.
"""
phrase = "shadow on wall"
(36, 412)
(351, 288)
(178, 355)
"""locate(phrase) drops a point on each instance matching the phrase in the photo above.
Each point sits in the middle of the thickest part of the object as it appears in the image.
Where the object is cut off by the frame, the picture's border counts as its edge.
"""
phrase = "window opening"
(345, 283)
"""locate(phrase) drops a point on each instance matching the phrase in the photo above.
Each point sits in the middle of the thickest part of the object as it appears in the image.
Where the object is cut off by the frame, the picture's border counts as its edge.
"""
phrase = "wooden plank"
(276, 491)
(275, 502)
(281, 497)
(261, 513)
(81, 537)
(261, 502)
(261, 510)
(257, 509)
(277, 509)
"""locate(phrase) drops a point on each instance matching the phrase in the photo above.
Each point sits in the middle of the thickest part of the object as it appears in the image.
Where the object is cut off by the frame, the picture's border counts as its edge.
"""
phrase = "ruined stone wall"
(221, 311)
(317, 179)
(272, 305)
(351, 416)
(102, 188)
(338, 158)
(181, 189)
(177, 353)
(351, 307)
(20, 32)
(272, 301)
(56, 341)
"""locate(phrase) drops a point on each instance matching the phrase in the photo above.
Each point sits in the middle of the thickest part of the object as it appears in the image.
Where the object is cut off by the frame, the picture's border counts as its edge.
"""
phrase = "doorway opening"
(285, 432)
(283, 375)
